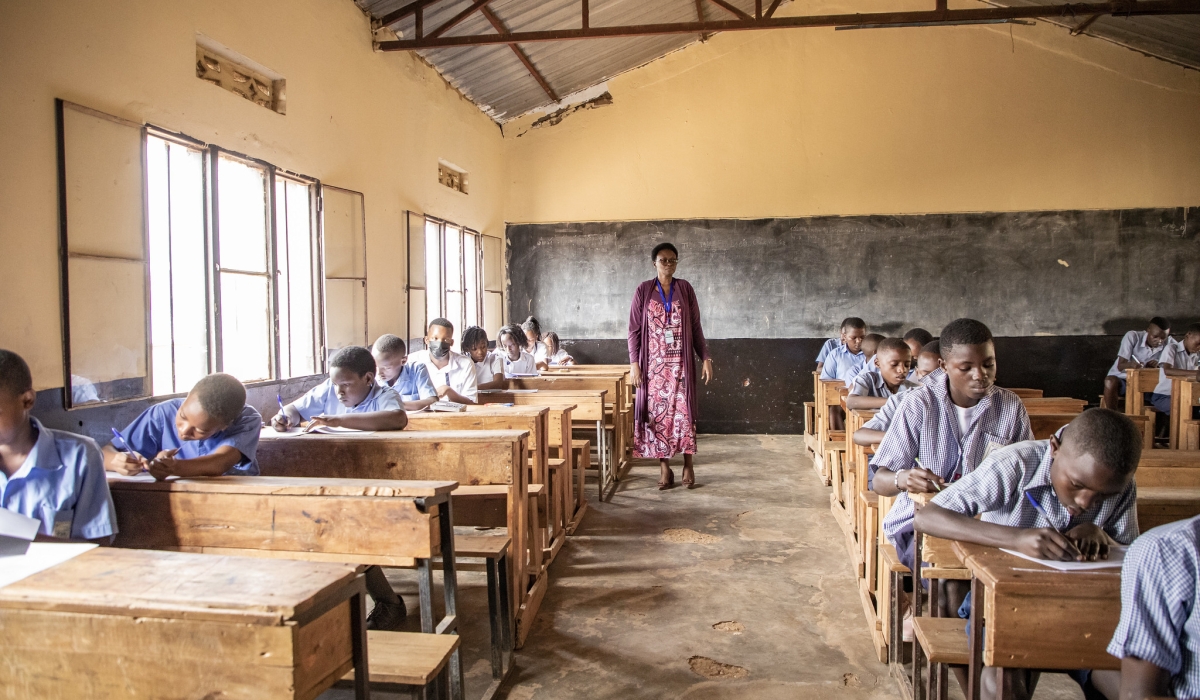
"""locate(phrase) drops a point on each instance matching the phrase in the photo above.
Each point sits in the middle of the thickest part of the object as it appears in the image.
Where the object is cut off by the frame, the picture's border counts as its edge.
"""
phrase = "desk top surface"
(284, 486)
(1000, 570)
(142, 583)
(400, 436)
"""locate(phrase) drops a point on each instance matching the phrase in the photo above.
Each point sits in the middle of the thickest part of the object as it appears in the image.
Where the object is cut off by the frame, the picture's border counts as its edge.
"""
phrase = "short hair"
(660, 248)
(531, 327)
(1161, 322)
(443, 322)
(963, 331)
(472, 336)
(872, 340)
(933, 347)
(15, 376)
(1109, 437)
(853, 322)
(517, 334)
(388, 344)
(355, 358)
(553, 336)
(922, 336)
(896, 344)
(221, 396)
(1192, 328)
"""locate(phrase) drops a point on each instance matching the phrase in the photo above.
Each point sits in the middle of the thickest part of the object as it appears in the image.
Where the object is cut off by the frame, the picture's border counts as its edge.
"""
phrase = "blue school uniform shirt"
(154, 431)
(413, 384)
(829, 346)
(841, 364)
(1160, 604)
(62, 484)
(322, 400)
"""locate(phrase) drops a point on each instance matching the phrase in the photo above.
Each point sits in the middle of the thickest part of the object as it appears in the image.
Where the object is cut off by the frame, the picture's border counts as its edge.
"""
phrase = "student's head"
(440, 337)
(512, 340)
(870, 344)
(893, 358)
(666, 259)
(16, 396)
(210, 407)
(916, 339)
(969, 357)
(532, 330)
(390, 355)
(1158, 331)
(854, 329)
(352, 374)
(553, 344)
(475, 343)
(1096, 458)
(1191, 338)
(929, 359)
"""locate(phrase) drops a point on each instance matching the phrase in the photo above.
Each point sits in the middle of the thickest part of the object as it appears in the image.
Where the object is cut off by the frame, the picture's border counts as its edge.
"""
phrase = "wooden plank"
(1161, 505)
(324, 651)
(285, 486)
(944, 639)
(1044, 425)
(407, 658)
(1053, 404)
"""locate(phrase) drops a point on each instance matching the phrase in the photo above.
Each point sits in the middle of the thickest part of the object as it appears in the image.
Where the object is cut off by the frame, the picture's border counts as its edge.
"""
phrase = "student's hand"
(541, 366)
(706, 370)
(442, 391)
(125, 463)
(1045, 543)
(323, 421)
(635, 374)
(1152, 364)
(918, 481)
(163, 464)
(1092, 542)
(280, 422)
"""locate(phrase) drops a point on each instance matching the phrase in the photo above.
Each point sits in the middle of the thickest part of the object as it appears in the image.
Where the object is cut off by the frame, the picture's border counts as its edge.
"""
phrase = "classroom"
(546, 349)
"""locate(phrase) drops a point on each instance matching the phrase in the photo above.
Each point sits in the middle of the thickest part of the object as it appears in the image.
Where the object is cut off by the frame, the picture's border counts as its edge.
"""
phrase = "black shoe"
(388, 617)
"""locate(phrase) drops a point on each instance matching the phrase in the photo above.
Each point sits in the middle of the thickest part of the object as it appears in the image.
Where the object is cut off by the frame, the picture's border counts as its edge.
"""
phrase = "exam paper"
(41, 556)
(269, 433)
(1116, 557)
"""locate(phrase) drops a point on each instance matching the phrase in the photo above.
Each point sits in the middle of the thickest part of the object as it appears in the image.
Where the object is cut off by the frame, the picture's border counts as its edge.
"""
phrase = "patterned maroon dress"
(669, 428)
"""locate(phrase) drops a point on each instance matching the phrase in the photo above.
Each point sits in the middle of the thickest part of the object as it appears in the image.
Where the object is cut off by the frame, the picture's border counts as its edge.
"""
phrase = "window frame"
(444, 270)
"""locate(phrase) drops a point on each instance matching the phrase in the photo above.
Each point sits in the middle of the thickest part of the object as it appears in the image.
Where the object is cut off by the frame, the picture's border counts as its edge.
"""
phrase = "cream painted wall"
(812, 121)
(371, 122)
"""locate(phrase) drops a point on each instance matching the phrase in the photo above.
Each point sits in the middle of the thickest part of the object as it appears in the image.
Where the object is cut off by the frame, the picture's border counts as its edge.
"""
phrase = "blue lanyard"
(666, 299)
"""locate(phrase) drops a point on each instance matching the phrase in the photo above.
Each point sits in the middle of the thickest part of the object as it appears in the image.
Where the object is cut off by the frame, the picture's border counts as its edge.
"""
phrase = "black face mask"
(438, 349)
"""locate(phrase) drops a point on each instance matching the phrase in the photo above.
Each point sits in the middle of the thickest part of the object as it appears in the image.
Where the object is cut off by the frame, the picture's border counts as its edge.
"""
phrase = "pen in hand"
(936, 485)
(1038, 507)
(120, 444)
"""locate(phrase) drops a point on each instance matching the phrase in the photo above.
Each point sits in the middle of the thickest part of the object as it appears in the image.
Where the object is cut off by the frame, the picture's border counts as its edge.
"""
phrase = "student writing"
(53, 476)
(489, 367)
(510, 344)
(208, 433)
(533, 342)
(349, 398)
(1138, 349)
(873, 389)
(453, 375)
(555, 355)
(410, 381)
(1179, 359)
(846, 359)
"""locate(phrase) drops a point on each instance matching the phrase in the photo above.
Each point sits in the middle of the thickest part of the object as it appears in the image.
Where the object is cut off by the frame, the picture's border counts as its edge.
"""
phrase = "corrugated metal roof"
(494, 79)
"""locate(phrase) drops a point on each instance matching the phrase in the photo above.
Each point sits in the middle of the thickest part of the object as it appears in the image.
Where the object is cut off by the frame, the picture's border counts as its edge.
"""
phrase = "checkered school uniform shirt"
(870, 383)
(1160, 604)
(926, 427)
(997, 488)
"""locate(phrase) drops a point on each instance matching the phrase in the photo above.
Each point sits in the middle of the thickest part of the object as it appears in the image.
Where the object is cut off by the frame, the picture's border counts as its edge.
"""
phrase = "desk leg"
(358, 630)
(449, 623)
(501, 624)
(601, 463)
(975, 643)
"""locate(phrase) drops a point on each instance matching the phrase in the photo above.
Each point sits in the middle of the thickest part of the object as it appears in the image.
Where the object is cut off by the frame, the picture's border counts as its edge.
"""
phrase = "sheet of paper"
(41, 556)
(522, 375)
(268, 433)
(331, 430)
(1116, 557)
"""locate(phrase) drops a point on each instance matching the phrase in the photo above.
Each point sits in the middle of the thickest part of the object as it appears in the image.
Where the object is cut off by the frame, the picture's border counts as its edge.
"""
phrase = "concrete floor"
(740, 588)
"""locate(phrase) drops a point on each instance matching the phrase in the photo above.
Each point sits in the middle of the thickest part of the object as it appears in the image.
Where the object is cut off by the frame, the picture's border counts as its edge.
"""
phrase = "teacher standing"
(664, 333)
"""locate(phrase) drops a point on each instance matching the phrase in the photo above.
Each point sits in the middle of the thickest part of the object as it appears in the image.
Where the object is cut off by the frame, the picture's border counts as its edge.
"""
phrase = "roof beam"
(771, 10)
(736, 12)
(410, 9)
(458, 19)
(930, 17)
(521, 55)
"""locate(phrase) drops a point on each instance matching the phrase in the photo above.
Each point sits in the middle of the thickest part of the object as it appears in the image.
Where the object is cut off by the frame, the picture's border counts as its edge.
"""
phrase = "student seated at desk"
(870, 344)
(944, 429)
(846, 360)
(510, 344)
(52, 476)
(916, 339)
(489, 367)
(453, 375)
(409, 381)
(555, 355)
(1138, 349)
(871, 433)
(1157, 639)
(872, 389)
(1068, 498)
(350, 398)
(211, 432)
(1180, 359)
(533, 342)
(849, 341)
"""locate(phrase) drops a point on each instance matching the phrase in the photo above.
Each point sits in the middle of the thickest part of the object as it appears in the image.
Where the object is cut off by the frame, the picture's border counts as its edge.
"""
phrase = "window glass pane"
(300, 341)
(345, 314)
(471, 280)
(454, 312)
(245, 326)
(283, 276)
(433, 272)
(453, 259)
(159, 210)
(416, 319)
(242, 215)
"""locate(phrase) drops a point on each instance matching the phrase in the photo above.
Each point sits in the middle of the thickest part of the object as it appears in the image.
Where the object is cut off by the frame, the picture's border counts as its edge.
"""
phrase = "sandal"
(690, 483)
(669, 483)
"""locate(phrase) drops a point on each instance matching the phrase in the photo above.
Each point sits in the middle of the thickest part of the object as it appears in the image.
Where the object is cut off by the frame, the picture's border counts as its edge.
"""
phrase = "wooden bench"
(470, 457)
(620, 397)
(1159, 505)
(1185, 430)
(940, 643)
(831, 392)
(494, 551)
(407, 661)
(115, 623)
(361, 521)
(1170, 468)
(1139, 384)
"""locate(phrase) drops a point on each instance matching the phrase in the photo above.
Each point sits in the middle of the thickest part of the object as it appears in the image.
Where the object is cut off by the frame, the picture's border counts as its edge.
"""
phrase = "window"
(182, 259)
(445, 276)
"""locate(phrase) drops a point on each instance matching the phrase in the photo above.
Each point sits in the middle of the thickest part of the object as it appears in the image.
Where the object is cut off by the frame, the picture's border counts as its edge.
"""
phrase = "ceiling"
(495, 78)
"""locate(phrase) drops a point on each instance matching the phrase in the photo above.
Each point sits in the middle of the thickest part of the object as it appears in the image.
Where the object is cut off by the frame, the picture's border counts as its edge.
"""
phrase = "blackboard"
(1022, 273)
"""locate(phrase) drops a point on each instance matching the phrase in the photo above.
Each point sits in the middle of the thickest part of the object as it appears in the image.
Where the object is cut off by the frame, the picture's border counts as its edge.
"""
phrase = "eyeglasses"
(667, 261)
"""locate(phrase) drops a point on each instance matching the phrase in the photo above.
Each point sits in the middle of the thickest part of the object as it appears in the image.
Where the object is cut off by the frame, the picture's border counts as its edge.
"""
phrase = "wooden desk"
(1139, 383)
(1159, 505)
(1037, 618)
(1053, 404)
(1185, 430)
(1174, 468)
(116, 623)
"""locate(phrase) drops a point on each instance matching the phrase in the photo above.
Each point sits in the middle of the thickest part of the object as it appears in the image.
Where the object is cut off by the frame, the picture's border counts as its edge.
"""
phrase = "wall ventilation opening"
(232, 71)
(452, 176)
